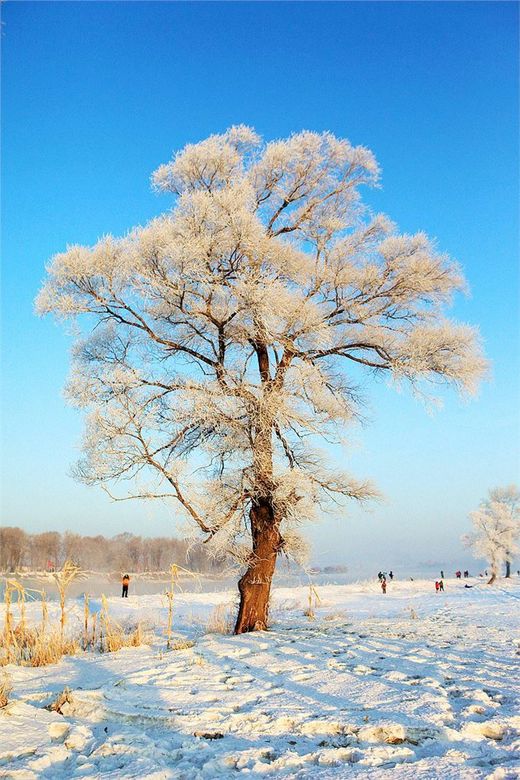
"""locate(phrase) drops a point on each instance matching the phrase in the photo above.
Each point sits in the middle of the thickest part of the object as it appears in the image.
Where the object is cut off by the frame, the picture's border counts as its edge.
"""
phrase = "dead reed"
(175, 571)
(174, 574)
(221, 620)
(5, 690)
(313, 600)
(41, 645)
(30, 646)
(63, 579)
(112, 636)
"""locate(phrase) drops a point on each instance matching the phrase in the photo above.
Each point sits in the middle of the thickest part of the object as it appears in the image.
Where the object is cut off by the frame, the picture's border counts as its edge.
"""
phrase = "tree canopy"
(218, 338)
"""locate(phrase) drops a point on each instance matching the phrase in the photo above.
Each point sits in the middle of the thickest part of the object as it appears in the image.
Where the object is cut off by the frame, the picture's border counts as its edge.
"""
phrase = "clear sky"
(96, 95)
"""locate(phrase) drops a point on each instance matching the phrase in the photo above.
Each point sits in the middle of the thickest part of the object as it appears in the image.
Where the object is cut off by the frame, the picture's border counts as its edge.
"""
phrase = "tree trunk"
(508, 569)
(255, 585)
(493, 577)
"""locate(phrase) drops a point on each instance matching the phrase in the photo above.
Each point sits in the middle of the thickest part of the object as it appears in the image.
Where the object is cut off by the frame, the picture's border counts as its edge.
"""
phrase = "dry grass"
(35, 648)
(313, 600)
(41, 645)
(112, 636)
(63, 579)
(174, 574)
(30, 646)
(13, 632)
(182, 644)
(86, 615)
(174, 571)
(5, 690)
(221, 620)
(103, 633)
(340, 615)
(90, 625)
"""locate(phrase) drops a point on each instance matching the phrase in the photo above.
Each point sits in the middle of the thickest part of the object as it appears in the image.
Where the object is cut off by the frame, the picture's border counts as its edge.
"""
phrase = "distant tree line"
(49, 550)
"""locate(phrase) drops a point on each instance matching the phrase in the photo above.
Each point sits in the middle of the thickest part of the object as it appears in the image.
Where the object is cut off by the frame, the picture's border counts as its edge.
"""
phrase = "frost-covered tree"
(510, 496)
(218, 337)
(496, 529)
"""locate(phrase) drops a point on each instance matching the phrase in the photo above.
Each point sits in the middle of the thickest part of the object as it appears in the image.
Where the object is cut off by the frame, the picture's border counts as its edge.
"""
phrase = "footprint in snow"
(301, 676)
(363, 670)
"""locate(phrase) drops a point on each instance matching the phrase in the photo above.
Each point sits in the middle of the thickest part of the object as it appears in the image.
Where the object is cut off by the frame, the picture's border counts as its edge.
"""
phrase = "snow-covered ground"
(413, 684)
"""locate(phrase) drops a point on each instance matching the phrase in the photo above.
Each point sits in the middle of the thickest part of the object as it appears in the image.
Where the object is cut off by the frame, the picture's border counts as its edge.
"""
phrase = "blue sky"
(97, 95)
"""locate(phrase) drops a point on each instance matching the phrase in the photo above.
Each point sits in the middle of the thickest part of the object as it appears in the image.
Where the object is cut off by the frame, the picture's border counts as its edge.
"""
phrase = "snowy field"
(413, 684)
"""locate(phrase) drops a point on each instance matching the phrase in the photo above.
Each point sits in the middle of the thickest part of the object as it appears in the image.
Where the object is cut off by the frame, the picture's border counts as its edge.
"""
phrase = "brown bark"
(255, 585)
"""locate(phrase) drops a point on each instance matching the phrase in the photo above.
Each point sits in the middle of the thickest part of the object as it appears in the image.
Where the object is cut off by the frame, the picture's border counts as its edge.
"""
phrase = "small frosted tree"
(510, 496)
(217, 338)
(496, 525)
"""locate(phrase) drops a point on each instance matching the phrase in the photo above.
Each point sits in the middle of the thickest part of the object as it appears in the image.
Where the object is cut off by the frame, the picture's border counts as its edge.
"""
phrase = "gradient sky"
(97, 95)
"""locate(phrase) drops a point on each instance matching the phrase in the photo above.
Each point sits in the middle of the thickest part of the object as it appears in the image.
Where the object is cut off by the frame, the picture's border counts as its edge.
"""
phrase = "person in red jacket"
(383, 585)
(437, 586)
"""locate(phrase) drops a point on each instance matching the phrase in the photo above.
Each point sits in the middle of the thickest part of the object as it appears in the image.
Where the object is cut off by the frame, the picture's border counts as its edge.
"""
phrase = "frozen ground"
(413, 684)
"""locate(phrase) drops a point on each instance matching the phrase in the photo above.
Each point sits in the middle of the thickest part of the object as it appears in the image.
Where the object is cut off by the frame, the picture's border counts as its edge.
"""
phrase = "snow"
(413, 684)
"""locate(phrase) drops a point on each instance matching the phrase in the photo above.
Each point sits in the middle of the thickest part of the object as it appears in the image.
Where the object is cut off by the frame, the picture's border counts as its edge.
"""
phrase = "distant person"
(383, 585)
(442, 574)
(380, 576)
(125, 582)
(458, 574)
(437, 586)
(391, 575)
(466, 574)
(441, 585)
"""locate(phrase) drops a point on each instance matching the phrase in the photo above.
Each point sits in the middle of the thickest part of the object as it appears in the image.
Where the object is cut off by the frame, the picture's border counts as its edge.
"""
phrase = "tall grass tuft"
(174, 574)
(63, 579)
(8, 639)
(86, 615)
(5, 690)
(175, 571)
(112, 636)
(221, 620)
(45, 612)
(313, 600)
(30, 646)
(42, 644)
